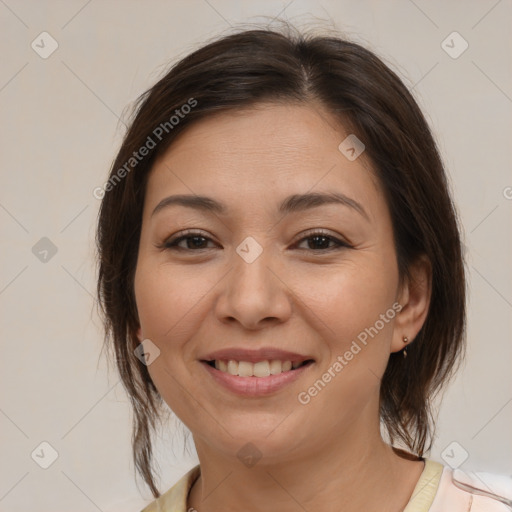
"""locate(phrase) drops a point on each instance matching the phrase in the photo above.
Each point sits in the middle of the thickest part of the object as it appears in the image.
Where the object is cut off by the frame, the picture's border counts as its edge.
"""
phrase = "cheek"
(167, 302)
(356, 319)
(350, 299)
(356, 316)
(167, 299)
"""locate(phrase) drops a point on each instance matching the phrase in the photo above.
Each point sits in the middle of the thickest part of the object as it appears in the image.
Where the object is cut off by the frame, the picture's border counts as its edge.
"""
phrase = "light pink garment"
(450, 498)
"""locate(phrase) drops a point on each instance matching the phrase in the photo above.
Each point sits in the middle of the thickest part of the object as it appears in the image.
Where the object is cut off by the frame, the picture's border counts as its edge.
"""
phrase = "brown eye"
(323, 242)
(190, 241)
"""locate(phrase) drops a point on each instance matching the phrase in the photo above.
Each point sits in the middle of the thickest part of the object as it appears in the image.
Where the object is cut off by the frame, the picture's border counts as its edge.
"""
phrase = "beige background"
(60, 130)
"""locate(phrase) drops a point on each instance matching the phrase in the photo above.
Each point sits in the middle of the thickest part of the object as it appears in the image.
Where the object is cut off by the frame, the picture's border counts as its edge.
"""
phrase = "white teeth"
(245, 369)
(259, 369)
(276, 367)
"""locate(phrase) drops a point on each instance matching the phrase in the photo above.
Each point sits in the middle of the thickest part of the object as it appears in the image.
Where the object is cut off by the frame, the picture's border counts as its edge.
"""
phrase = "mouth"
(259, 369)
(256, 378)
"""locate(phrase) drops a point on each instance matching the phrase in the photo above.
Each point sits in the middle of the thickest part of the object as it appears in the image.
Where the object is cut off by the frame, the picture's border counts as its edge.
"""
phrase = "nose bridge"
(252, 292)
(251, 268)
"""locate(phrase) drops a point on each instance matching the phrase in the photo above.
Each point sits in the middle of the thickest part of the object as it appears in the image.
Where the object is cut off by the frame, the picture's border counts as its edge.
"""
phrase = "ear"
(139, 334)
(414, 297)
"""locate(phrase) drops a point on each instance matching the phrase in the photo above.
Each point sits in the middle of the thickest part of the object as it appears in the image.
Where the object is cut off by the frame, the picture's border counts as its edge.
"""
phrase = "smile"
(255, 379)
(257, 369)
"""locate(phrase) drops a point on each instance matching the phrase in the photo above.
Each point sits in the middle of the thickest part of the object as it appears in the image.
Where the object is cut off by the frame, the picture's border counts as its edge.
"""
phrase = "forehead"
(259, 155)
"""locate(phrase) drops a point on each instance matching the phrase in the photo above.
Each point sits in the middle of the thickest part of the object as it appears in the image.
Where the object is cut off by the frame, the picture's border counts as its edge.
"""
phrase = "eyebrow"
(292, 204)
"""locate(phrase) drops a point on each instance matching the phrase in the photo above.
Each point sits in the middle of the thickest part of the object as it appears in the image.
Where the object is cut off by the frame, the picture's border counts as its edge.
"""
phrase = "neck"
(353, 472)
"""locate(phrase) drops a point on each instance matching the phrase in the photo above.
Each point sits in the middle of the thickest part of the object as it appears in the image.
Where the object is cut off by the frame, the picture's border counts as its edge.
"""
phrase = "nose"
(254, 294)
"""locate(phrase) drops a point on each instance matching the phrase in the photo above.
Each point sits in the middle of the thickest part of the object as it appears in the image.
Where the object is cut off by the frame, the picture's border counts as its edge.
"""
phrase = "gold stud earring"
(405, 340)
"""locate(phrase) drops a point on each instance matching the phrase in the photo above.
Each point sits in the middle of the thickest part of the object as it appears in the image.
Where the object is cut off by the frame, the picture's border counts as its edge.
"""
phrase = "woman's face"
(266, 268)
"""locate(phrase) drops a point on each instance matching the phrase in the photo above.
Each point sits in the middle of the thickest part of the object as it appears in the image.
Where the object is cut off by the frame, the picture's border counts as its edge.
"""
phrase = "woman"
(280, 263)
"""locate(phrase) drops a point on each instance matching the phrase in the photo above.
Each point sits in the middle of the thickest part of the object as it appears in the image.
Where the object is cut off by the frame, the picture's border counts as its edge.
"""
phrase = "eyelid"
(339, 241)
(321, 232)
(187, 233)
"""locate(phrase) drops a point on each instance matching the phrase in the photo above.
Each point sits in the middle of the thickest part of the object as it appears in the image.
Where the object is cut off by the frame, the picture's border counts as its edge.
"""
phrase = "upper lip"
(253, 356)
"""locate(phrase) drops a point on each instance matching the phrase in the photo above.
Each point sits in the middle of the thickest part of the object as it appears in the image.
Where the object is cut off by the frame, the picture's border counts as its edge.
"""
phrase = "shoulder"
(175, 499)
(472, 491)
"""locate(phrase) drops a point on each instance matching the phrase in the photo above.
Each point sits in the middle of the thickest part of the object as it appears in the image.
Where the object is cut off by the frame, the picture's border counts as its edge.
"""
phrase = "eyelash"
(172, 244)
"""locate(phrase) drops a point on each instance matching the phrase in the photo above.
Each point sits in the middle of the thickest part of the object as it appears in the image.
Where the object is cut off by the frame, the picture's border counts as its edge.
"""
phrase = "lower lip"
(255, 386)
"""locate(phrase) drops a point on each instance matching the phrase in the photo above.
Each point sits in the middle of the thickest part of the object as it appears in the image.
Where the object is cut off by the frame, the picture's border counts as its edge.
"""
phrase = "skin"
(297, 295)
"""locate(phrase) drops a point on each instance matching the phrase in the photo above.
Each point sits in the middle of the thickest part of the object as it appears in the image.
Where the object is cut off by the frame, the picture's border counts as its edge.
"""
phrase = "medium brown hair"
(244, 69)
